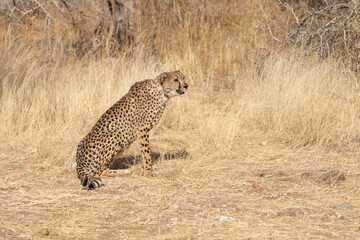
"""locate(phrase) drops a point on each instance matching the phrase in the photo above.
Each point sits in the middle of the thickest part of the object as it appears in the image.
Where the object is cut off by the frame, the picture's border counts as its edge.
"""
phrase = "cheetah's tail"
(90, 182)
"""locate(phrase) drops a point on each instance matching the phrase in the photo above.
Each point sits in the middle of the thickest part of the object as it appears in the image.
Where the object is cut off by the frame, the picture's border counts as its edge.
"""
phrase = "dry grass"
(303, 100)
(305, 109)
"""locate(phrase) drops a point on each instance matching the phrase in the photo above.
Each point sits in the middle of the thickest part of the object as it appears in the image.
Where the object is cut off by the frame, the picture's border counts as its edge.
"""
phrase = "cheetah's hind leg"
(91, 182)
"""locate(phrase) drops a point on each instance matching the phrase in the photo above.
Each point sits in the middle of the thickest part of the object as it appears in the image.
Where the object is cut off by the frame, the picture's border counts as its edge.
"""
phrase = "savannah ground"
(243, 156)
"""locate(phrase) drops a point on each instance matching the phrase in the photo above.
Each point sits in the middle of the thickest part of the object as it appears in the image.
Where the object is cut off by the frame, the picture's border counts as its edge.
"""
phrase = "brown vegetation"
(330, 28)
(260, 128)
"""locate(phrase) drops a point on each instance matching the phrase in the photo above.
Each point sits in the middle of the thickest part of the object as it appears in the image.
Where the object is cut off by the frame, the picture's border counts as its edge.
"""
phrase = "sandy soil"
(269, 192)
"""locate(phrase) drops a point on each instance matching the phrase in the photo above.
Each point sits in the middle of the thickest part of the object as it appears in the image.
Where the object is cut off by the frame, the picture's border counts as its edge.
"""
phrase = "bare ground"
(269, 192)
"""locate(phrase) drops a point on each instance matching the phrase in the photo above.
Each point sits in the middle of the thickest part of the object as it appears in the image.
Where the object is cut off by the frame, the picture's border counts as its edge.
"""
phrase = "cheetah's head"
(173, 83)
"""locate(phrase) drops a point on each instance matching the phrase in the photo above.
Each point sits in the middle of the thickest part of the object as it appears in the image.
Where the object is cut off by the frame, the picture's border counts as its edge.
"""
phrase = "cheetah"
(130, 118)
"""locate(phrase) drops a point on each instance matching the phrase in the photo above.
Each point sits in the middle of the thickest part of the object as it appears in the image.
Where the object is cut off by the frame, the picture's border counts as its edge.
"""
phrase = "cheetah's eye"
(176, 80)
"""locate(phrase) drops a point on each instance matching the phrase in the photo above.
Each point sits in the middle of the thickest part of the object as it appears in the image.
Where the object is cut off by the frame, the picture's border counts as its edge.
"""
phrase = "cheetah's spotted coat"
(131, 118)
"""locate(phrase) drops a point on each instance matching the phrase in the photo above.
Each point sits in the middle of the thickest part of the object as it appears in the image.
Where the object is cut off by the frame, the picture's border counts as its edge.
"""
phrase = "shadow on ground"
(127, 161)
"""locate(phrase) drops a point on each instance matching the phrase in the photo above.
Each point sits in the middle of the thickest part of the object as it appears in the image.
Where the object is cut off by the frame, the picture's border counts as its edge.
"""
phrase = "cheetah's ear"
(162, 77)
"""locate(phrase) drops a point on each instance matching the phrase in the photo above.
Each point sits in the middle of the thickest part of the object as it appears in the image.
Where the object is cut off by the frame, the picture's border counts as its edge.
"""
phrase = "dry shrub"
(163, 28)
(330, 28)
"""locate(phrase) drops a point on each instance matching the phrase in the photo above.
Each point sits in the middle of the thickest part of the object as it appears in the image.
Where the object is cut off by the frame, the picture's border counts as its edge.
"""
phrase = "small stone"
(30, 149)
(225, 218)
(45, 232)
(173, 219)
(332, 176)
(263, 143)
(307, 175)
(281, 174)
(261, 222)
(29, 174)
(262, 174)
(344, 206)
(287, 212)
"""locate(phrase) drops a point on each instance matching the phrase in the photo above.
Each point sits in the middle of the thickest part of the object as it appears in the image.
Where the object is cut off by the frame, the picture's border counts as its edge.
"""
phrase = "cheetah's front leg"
(143, 135)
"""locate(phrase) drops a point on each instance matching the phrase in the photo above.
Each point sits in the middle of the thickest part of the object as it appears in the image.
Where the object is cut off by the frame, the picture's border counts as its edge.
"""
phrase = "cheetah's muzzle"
(180, 92)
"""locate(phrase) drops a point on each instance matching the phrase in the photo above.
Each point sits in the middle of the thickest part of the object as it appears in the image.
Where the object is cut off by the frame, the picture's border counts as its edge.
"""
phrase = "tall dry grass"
(303, 100)
(294, 99)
